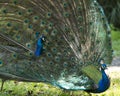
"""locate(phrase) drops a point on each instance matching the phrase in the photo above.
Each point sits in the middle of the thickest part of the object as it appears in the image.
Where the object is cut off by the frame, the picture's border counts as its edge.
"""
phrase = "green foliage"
(112, 11)
(116, 42)
(12, 88)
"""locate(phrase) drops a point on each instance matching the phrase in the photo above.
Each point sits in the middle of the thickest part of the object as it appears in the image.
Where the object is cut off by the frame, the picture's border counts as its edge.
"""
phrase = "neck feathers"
(104, 83)
(39, 47)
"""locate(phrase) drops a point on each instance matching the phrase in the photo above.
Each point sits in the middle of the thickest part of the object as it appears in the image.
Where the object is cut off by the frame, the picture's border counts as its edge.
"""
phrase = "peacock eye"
(1, 62)
(4, 11)
(19, 13)
(28, 45)
(36, 17)
(9, 24)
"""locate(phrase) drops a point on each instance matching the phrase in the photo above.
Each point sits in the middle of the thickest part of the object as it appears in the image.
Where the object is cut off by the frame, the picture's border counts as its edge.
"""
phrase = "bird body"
(77, 36)
(39, 47)
(103, 83)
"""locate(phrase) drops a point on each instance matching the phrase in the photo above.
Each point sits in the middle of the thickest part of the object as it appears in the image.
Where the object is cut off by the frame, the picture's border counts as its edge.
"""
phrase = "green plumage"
(93, 73)
(76, 35)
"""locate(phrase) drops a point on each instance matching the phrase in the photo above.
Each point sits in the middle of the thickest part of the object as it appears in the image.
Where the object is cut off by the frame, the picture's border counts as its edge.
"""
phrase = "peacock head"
(42, 38)
(103, 66)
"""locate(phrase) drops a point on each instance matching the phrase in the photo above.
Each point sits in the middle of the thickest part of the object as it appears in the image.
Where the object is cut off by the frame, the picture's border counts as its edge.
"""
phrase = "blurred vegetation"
(116, 42)
(112, 11)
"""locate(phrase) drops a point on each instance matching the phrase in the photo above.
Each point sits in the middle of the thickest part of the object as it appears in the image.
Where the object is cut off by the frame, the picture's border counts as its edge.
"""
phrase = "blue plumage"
(104, 83)
(39, 46)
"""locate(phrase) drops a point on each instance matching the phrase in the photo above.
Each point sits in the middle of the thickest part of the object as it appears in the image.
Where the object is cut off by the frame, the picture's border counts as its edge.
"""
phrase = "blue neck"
(104, 83)
(39, 47)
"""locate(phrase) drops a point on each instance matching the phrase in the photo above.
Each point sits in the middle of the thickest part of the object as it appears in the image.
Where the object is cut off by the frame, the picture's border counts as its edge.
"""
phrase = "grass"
(32, 89)
(12, 88)
(39, 89)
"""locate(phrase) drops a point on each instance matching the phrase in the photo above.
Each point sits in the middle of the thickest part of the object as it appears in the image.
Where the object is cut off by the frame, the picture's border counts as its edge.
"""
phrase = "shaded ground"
(116, 62)
(114, 68)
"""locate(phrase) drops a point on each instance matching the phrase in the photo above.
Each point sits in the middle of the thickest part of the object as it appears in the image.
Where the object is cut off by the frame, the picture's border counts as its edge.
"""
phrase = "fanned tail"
(76, 34)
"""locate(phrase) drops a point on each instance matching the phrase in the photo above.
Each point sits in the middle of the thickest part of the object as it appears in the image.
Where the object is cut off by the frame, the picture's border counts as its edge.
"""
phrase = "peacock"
(66, 43)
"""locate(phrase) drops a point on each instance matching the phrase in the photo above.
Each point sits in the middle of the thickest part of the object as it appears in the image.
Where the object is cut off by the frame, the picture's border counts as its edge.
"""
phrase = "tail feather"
(76, 33)
(93, 73)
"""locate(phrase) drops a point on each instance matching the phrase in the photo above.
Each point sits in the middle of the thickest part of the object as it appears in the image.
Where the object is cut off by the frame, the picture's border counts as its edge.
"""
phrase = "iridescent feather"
(76, 33)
